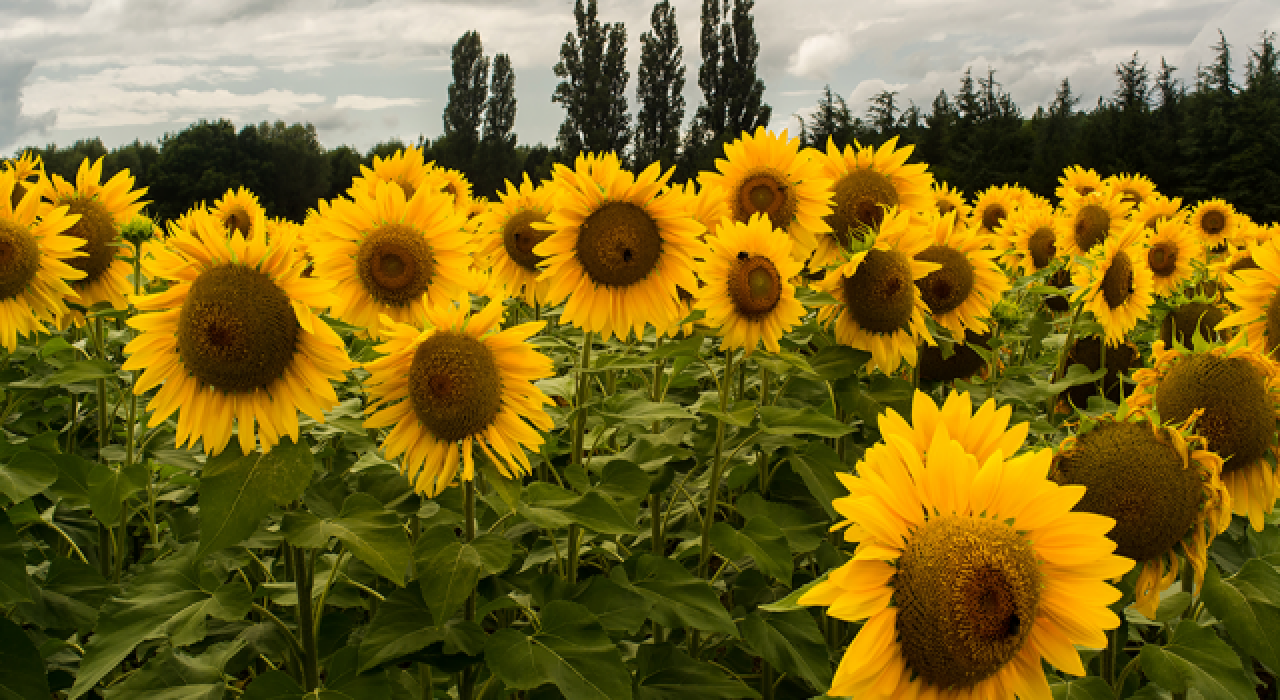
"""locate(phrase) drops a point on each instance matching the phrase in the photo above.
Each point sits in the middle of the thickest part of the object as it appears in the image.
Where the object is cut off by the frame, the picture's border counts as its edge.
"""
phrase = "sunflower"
(240, 212)
(1239, 391)
(866, 182)
(748, 293)
(1255, 290)
(405, 167)
(1192, 318)
(1170, 247)
(618, 247)
(27, 171)
(1133, 189)
(703, 204)
(234, 336)
(458, 384)
(1157, 208)
(1159, 484)
(771, 174)
(34, 262)
(103, 209)
(968, 572)
(879, 307)
(506, 238)
(1076, 181)
(967, 283)
(1033, 234)
(1115, 286)
(1091, 219)
(391, 257)
(453, 183)
(992, 207)
(947, 199)
(1213, 222)
(1236, 259)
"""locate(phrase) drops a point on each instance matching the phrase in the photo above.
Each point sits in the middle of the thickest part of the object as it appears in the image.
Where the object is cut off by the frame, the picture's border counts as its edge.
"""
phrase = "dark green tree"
(659, 90)
(831, 120)
(497, 158)
(467, 98)
(593, 85)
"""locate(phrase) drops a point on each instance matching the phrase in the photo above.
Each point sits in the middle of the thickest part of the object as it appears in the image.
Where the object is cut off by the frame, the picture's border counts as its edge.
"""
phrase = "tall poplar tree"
(733, 95)
(467, 96)
(500, 110)
(593, 85)
(659, 89)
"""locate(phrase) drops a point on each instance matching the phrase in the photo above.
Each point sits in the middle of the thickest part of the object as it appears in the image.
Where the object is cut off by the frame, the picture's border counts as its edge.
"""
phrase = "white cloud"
(818, 55)
(365, 102)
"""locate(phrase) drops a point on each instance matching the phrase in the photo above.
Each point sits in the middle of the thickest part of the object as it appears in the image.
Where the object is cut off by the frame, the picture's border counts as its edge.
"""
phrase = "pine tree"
(659, 90)
(1134, 91)
(883, 112)
(467, 95)
(832, 120)
(593, 85)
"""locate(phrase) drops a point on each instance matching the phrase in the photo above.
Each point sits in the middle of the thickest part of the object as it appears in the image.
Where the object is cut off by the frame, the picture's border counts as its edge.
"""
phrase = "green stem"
(425, 680)
(122, 541)
(579, 434)
(1109, 659)
(766, 680)
(466, 686)
(1118, 688)
(303, 578)
(717, 470)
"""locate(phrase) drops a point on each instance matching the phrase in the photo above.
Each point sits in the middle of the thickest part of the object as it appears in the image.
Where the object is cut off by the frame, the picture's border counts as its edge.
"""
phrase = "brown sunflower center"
(19, 191)
(879, 296)
(1239, 419)
(1213, 222)
(945, 289)
(967, 591)
(395, 264)
(860, 199)
(1117, 283)
(993, 215)
(619, 244)
(1244, 263)
(1085, 189)
(1137, 478)
(519, 238)
(945, 206)
(1131, 196)
(754, 285)
(454, 385)
(1043, 247)
(1062, 280)
(237, 330)
(1181, 323)
(237, 221)
(1092, 224)
(19, 259)
(98, 230)
(1163, 258)
(406, 187)
(766, 193)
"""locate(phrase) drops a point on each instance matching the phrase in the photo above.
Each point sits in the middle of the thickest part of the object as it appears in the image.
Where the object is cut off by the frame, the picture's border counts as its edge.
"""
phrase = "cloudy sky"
(364, 71)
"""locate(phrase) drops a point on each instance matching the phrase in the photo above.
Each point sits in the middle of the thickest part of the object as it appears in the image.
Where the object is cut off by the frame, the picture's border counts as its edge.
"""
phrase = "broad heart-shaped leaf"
(792, 642)
(1197, 658)
(549, 506)
(1249, 605)
(571, 651)
(73, 373)
(370, 531)
(110, 486)
(13, 565)
(634, 407)
(273, 685)
(616, 608)
(449, 574)
(344, 681)
(176, 675)
(679, 598)
(22, 672)
(25, 474)
(237, 491)
(817, 466)
(780, 420)
(804, 534)
(68, 597)
(838, 361)
(664, 672)
(761, 540)
(402, 626)
(1087, 688)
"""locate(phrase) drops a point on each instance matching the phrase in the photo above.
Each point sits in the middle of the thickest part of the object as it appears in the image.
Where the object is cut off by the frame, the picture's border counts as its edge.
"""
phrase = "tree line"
(1212, 136)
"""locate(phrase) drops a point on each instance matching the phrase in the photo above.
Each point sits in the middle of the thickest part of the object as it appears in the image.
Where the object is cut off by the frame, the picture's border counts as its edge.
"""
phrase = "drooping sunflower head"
(1159, 484)
(619, 246)
(1135, 190)
(406, 168)
(103, 208)
(27, 171)
(1213, 221)
(506, 238)
(1034, 232)
(748, 292)
(772, 174)
(1091, 219)
(1170, 249)
(1238, 391)
(967, 283)
(1254, 288)
(866, 183)
(241, 212)
(1116, 286)
(1077, 181)
(992, 207)
(947, 199)
(458, 384)
(388, 256)
(1194, 318)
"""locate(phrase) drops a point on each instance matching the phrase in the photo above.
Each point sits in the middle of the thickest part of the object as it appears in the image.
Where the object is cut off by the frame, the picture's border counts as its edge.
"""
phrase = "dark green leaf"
(760, 540)
(344, 681)
(803, 533)
(449, 574)
(13, 565)
(1197, 658)
(1088, 688)
(370, 531)
(818, 466)
(792, 642)
(792, 600)
(25, 474)
(779, 420)
(665, 672)
(679, 598)
(616, 608)
(838, 361)
(109, 487)
(402, 626)
(22, 672)
(73, 477)
(237, 491)
(68, 597)
(550, 506)
(571, 651)
(1248, 604)
(635, 408)
(80, 372)
(176, 675)
(274, 685)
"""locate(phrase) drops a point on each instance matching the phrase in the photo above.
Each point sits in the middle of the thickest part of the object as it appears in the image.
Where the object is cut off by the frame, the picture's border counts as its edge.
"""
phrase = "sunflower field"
(811, 424)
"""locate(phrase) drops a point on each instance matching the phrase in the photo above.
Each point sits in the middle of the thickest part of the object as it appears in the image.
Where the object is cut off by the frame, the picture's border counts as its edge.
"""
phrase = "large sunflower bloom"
(1214, 221)
(34, 262)
(235, 337)
(1170, 248)
(1256, 291)
(1116, 287)
(967, 283)
(103, 209)
(771, 174)
(391, 257)
(1238, 390)
(506, 238)
(27, 171)
(458, 384)
(1076, 181)
(748, 294)
(968, 573)
(240, 212)
(1091, 219)
(879, 307)
(865, 183)
(619, 248)
(1162, 487)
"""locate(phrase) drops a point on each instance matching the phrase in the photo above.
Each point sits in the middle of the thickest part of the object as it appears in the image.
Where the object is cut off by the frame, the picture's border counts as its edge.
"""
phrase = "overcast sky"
(364, 71)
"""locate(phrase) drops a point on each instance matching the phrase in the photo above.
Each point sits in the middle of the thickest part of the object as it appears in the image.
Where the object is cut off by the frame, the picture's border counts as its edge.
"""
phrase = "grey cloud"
(15, 125)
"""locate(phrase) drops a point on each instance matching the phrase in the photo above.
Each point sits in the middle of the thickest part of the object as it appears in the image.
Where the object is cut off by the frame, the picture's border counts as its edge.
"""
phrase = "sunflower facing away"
(879, 307)
(618, 248)
(1116, 286)
(458, 384)
(1091, 219)
(103, 209)
(1170, 248)
(865, 183)
(1238, 390)
(1213, 222)
(967, 283)
(992, 207)
(771, 174)
(507, 237)
(27, 171)
(1076, 181)
(947, 199)
(35, 269)
(748, 294)
(235, 337)
(1033, 238)
(968, 572)
(1159, 484)
(391, 257)
(240, 212)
